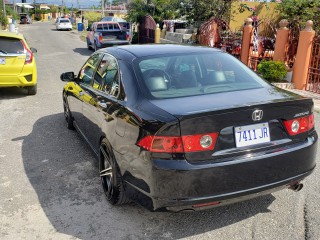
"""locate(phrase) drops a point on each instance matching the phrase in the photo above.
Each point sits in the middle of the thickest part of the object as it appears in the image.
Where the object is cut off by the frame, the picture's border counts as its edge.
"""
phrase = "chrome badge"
(257, 115)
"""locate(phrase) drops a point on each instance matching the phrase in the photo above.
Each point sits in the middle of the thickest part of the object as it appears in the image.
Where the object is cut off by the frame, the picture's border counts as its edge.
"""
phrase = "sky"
(67, 3)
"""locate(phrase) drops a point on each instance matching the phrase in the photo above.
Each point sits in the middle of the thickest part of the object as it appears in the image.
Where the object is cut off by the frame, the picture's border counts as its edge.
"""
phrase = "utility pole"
(4, 8)
(102, 7)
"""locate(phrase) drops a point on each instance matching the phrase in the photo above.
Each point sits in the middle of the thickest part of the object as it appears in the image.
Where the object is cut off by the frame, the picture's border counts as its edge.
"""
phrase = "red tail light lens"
(161, 144)
(100, 38)
(189, 143)
(128, 37)
(299, 125)
(29, 54)
(200, 142)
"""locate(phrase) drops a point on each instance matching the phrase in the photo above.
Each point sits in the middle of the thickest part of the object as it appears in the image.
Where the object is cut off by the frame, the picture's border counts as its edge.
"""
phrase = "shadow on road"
(13, 93)
(64, 174)
(83, 51)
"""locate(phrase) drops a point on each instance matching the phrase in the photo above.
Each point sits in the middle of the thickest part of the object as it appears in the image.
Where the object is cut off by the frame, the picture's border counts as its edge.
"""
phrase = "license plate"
(252, 134)
(2, 61)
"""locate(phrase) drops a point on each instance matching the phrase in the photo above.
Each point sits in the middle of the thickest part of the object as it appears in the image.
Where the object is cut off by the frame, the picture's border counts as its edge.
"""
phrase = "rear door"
(12, 56)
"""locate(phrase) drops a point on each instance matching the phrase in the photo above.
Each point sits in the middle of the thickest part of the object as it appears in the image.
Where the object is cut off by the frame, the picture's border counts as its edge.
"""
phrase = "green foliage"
(159, 9)
(190, 10)
(3, 20)
(92, 17)
(301, 11)
(202, 10)
(11, 13)
(272, 71)
(37, 17)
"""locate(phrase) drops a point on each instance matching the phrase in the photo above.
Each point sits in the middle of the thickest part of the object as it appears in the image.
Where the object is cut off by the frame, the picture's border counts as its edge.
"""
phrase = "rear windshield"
(10, 45)
(64, 20)
(195, 74)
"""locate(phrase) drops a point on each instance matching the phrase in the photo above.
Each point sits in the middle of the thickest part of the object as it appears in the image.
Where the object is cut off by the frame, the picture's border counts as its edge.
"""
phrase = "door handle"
(81, 93)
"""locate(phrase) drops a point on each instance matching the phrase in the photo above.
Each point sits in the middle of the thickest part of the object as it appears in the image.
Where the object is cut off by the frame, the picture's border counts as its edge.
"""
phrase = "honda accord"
(186, 128)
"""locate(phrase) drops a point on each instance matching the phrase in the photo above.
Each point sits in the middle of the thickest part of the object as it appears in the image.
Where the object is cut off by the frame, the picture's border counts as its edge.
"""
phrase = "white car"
(63, 24)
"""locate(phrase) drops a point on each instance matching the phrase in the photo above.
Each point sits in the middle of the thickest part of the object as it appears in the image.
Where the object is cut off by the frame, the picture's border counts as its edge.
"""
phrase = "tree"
(202, 10)
(190, 10)
(158, 9)
(301, 11)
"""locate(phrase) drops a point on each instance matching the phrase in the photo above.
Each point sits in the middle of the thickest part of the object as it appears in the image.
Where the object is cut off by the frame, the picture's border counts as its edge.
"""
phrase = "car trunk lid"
(232, 114)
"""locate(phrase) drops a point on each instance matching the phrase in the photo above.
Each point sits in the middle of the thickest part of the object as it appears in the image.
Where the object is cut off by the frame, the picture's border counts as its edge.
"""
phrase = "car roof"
(11, 34)
(160, 49)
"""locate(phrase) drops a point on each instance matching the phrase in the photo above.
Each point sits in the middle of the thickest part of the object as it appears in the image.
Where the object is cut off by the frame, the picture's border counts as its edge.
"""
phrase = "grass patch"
(83, 35)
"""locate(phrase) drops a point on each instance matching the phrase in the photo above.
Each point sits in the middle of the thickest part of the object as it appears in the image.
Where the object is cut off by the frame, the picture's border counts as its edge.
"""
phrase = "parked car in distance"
(17, 63)
(25, 19)
(187, 128)
(63, 24)
(106, 34)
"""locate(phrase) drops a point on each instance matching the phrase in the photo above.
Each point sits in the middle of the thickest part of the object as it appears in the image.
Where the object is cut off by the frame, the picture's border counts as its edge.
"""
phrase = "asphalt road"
(49, 184)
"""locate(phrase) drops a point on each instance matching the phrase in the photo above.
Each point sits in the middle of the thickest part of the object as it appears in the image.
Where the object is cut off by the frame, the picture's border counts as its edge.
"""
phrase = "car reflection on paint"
(180, 127)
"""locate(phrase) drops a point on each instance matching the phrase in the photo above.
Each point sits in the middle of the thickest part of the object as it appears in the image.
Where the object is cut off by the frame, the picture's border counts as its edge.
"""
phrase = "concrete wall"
(237, 18)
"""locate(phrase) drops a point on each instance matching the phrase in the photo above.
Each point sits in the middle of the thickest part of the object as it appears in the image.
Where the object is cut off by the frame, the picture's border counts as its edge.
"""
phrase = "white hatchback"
(63, 24)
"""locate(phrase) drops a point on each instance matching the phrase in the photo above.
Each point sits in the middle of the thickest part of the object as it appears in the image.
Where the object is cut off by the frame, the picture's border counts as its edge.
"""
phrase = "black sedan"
(186, 128)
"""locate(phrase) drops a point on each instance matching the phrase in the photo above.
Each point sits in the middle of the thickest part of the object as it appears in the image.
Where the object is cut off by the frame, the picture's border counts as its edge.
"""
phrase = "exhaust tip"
(296, 187)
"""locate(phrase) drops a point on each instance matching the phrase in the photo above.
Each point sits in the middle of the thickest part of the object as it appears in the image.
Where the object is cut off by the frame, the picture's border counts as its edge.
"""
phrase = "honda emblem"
(257, 115)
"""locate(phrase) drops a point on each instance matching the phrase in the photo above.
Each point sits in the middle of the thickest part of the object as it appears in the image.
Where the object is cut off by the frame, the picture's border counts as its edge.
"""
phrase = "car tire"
(88, 45)
(68, 116)
(95, 46)
(110, 176)
(32, 90)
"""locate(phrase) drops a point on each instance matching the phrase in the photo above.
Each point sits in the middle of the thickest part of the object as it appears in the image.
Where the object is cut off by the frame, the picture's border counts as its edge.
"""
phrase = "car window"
(115, 27)
(11, 45)
(87, 71)
(64, 20)
(106, 78)
(195, 74)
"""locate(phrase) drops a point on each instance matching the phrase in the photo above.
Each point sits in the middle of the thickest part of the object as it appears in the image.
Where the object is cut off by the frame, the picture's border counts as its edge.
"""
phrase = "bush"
(272, 71)
(3, 21)
(92, 17)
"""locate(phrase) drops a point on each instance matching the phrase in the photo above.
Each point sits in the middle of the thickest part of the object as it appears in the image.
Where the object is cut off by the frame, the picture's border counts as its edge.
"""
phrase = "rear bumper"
(23, 80)
(177, 185)
(113, 43)
(64, 27)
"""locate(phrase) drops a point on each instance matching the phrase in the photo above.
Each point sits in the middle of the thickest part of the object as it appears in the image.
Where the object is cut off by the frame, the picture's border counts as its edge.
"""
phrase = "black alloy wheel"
(67, 116)
(111, 179)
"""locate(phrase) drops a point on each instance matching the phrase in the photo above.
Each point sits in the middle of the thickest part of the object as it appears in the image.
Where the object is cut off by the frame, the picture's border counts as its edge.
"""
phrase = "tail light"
(128, 37)
(177, 144)
(299, 125)
(100, 38)
(29, 54)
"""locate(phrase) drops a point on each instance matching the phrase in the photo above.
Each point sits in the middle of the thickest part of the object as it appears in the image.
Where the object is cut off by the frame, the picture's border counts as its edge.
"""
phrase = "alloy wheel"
(106, 172)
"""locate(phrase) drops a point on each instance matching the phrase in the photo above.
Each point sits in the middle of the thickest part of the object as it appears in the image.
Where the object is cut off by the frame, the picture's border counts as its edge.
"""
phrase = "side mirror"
(67, 77)
(33, 50)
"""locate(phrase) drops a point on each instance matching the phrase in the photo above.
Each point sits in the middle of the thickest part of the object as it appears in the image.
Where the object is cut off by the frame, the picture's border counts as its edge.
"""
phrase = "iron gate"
(147, 30)
(314, 67)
